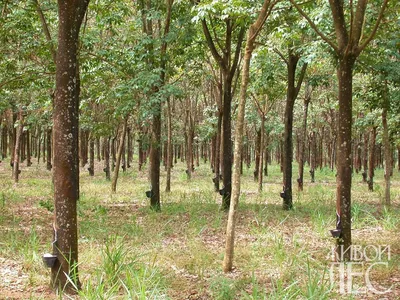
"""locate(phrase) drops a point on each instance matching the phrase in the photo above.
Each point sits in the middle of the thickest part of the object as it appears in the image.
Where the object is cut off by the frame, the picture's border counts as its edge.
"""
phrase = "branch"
(357, 25)
(352, 20)
(46, 30)
(259, 109)
(378, 21)
(281, 56)
(313, 26)
(164, 43)
(237, 77)
(4, 83)
(215, 35)
(3, 11)
(263, 16)
(237, 51)
(301, 78)
(211, 45)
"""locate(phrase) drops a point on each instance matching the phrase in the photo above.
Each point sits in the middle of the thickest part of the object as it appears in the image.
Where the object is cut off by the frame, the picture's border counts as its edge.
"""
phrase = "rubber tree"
(228, 61)
(352, 37)
(252, 34)
(150, 27)
(292, 91)
(17, 147)
(386, 141)
(64, 273)
(303, 136)
(119, 155)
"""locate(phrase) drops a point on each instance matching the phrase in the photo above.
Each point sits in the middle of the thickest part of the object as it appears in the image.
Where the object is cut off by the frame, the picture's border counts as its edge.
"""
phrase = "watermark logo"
(357, 275)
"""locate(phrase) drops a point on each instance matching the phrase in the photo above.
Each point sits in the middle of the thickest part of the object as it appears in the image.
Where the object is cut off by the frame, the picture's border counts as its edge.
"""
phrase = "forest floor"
(128, 251)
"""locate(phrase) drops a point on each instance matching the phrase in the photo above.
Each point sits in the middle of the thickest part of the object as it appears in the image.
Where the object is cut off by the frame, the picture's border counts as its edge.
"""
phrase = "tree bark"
(257, 154)
(261, 160)
(217, 156)
(16, 170)
(119, 156)
(4, 142)
(106, 145)
(155, 161)
(129, 148)
(313, 152)
(91, 156)
(28, 149)
(386, 145)
(365, 157)
(189, 139)
(66, 159)
(398, 158)
(48, 149)
(371, 160)
(98, 149)
(343, 192)
(12, 137)
(38, 147)
(169, 146)
(302, 139)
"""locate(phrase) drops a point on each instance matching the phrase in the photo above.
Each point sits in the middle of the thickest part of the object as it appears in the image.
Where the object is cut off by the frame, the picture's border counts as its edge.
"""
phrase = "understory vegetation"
(128, 251)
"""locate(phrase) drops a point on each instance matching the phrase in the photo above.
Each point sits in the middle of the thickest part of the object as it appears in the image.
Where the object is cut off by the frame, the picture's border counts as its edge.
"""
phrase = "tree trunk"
(113, 155)
(38, 147)
(82, 148)
(140, 149)
(169, 146)
(91, 156)
(371, 160)
(386, 145)
(302, 139)
(217, 153)
(365, 157)
(343, 193)
(398, 158)
(257, 154)
(22, 151)
(98, 149)
(12, 138)
(44, 146)
(48, 149)
(106, 145)
(119, 156)
(155, 160)
(261, 151)
(16, 170)
(28, 149)
(266, 155)
(227, 143)
(189, 139)
(313, 151)
(66, 159)
(4, 142)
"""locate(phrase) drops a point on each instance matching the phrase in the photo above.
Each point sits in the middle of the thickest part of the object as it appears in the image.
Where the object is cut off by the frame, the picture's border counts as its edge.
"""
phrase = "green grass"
(128, 251)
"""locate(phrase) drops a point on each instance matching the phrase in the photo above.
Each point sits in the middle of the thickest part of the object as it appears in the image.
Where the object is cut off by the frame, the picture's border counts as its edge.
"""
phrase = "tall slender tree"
(252, 34)
(227, 60)
(66, 130)
(351, 39)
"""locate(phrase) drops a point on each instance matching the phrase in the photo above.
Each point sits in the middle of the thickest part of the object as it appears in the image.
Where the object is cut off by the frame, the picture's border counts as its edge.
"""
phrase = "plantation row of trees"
(169, 80)
(316, 150)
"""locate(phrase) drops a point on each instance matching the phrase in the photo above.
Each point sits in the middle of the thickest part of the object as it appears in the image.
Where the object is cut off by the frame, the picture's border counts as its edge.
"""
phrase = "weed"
(47, 204)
